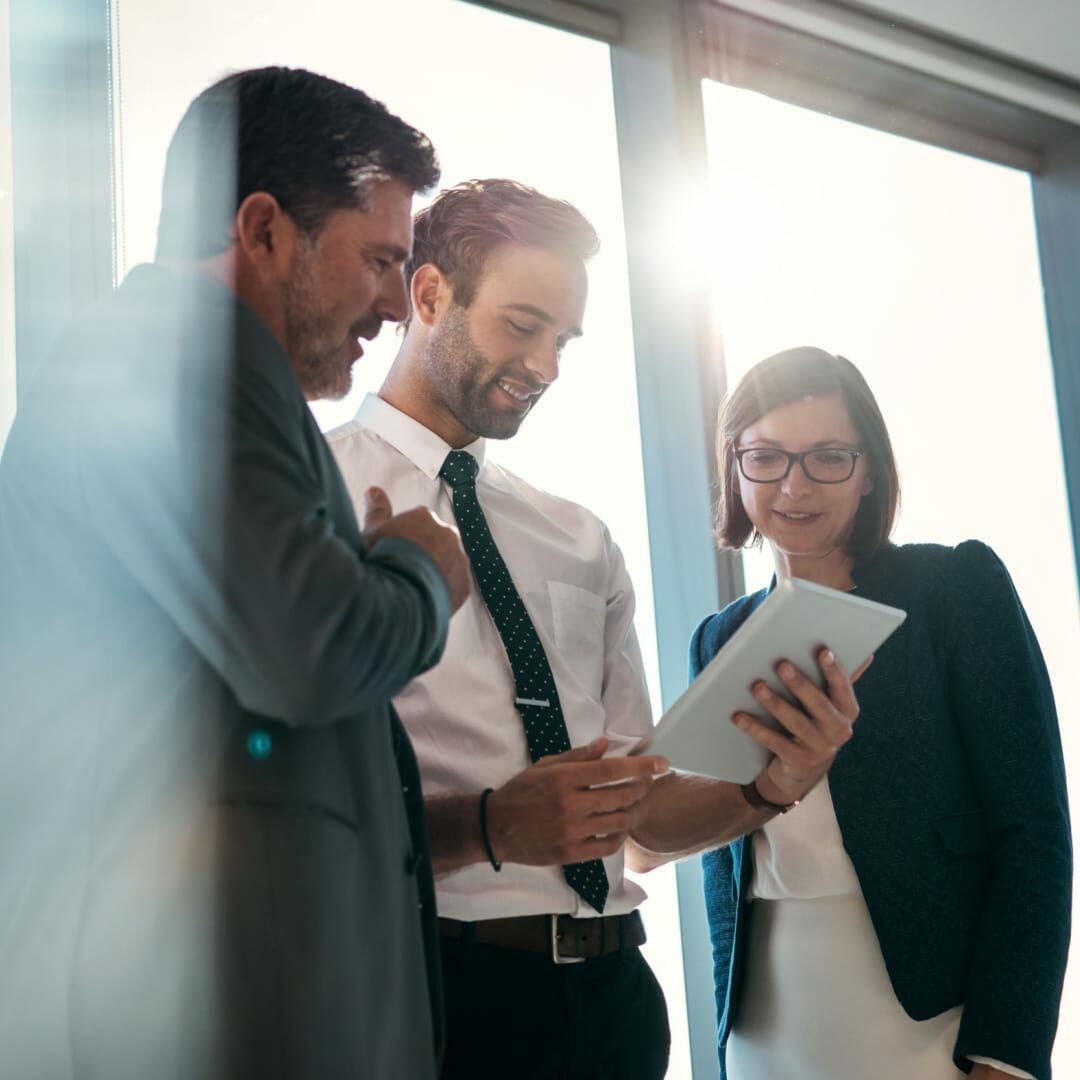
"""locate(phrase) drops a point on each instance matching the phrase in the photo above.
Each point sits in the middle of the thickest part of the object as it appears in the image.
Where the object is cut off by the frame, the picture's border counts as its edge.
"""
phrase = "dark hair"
(316, 145)
(779, 380)
(465, 223)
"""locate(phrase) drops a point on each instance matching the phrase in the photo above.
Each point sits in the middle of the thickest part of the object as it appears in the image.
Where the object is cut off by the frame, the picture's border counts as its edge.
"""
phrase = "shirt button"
(259, 745)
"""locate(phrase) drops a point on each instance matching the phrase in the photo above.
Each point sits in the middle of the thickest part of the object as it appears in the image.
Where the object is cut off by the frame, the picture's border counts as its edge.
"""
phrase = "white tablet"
(794, 622)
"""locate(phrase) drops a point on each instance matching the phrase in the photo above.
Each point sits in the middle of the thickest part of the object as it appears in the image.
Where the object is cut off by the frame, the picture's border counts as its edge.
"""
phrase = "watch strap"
(758, 801)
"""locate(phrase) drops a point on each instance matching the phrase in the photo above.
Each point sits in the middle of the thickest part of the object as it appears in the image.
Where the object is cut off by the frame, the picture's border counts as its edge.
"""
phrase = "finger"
(838, 685)
(794, 720)
(818, 709)
(600, 844)
(616, 770)
(613, 798)
(811, 752)
(595, 847)
(616, 823)
(375, 508)
(451, 525)
(579, 829)
(589, 752)
(776, 742)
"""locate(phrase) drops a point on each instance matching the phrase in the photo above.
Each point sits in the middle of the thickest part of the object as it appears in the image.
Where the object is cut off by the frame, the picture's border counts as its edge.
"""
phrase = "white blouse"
(801, 856)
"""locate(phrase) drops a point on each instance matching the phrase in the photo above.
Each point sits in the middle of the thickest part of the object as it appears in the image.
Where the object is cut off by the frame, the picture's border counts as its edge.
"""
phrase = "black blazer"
(952, 805)
(225, 868)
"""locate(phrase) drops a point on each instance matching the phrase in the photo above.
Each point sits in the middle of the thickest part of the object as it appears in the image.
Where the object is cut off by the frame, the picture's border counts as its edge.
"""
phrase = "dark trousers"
(516, 1015)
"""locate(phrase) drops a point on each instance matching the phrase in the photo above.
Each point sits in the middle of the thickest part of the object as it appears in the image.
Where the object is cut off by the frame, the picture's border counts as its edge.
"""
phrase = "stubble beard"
(322, 368)
(462, 377)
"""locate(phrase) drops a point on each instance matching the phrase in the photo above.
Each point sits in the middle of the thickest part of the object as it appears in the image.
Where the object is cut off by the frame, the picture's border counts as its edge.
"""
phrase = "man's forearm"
(685, 814)
(453, 823)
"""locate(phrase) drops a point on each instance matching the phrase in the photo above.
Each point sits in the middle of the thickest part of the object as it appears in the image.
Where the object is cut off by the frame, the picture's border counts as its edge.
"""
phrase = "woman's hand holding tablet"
(795, 623)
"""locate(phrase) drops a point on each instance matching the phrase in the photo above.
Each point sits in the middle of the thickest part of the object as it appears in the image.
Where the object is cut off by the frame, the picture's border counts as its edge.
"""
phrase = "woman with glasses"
(909, 919)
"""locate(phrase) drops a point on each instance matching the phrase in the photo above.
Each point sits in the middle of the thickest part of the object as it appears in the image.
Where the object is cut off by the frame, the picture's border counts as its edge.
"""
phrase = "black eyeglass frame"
(792, 458)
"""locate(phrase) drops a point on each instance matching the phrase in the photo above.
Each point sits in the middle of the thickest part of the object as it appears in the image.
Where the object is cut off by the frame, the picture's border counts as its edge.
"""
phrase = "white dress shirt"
(801, 856)
(460, 716)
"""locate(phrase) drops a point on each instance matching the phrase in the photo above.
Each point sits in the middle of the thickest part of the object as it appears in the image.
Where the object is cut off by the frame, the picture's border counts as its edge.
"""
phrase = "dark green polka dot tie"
(537, 699)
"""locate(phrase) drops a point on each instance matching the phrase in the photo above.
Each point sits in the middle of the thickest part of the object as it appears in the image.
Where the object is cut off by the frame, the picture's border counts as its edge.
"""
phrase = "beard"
(462, 377)
(321, 360)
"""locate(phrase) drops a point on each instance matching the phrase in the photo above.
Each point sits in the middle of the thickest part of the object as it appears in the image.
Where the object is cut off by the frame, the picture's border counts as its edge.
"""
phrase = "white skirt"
(816, 1002)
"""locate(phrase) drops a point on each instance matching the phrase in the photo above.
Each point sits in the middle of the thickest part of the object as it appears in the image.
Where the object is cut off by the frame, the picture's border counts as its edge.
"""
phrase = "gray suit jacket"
(219, 863)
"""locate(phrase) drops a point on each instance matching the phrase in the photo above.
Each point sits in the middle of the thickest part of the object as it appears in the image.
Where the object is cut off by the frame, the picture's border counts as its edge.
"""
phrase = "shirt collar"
(426, 450)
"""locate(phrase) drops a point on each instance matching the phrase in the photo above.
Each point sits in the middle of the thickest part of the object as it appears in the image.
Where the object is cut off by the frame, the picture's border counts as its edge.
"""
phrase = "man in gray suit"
(220, 868)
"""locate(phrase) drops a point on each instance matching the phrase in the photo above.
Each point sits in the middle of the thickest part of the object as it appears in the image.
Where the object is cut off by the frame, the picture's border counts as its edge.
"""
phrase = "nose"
(797, 484)
(543, 362)
(392, 301)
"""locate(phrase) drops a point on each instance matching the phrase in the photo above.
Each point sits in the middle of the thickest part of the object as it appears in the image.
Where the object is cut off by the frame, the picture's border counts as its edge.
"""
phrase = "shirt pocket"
(577, 621)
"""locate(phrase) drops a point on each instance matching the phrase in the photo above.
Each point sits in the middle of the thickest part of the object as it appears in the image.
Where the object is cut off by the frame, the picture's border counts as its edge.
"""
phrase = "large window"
(499, 97)
(920, 265)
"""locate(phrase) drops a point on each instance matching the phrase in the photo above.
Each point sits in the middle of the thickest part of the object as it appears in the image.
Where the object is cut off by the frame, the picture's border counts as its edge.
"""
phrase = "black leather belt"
(568, 940)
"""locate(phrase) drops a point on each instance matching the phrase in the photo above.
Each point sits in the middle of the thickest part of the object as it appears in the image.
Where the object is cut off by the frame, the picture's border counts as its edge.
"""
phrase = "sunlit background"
(917, 263)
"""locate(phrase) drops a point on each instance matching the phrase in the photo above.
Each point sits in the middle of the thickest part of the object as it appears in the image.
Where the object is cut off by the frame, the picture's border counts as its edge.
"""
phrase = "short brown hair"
(779, 380)
(465, 223)
(315, 144)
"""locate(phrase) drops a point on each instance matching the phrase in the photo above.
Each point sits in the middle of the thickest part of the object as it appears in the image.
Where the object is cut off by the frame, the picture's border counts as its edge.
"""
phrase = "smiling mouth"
(519, 394)
(795, 517)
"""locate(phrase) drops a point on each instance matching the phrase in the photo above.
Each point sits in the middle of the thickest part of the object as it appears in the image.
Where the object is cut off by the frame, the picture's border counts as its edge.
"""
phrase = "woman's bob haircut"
(780, 380)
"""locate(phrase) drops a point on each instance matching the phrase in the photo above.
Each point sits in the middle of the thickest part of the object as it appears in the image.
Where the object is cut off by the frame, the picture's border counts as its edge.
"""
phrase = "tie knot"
(460, 467)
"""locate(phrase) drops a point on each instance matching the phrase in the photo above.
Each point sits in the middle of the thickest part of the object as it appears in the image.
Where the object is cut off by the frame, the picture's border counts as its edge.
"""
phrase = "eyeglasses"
(830, 465)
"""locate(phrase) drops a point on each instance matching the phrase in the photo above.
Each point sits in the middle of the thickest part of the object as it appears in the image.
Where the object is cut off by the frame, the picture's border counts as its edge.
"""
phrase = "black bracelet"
(496, 865)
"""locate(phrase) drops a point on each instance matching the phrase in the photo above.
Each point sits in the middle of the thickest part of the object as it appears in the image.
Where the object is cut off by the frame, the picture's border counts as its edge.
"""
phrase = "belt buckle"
(556, 956)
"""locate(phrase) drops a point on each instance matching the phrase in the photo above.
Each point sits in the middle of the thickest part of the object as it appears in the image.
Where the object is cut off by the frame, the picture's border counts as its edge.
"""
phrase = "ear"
(867, 484)
(265, 235)
(431, 294)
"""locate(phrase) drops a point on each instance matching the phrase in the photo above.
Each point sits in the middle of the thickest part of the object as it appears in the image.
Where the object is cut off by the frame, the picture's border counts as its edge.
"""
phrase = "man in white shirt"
(542, 974)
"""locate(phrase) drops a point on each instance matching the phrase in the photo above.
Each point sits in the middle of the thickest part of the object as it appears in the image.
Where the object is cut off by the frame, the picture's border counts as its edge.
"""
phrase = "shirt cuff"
(1012, 1070)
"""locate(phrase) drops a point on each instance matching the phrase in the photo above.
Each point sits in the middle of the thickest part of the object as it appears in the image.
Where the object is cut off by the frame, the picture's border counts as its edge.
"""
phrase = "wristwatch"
(758, 801)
